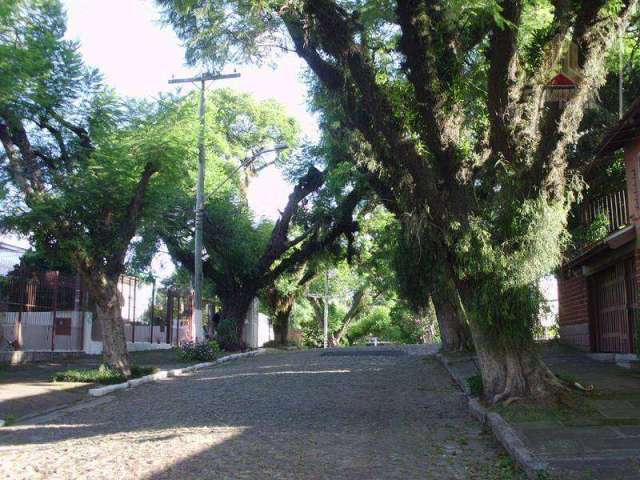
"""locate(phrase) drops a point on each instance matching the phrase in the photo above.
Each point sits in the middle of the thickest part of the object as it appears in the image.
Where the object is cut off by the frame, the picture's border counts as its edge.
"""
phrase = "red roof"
(562, 80)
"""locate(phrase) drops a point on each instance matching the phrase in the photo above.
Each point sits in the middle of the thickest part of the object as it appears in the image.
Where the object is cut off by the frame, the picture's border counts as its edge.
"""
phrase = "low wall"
(93, 347)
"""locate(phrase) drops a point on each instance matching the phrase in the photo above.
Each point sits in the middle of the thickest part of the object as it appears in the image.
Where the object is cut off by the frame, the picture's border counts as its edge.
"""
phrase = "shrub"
(202, 352)
(228, 337)
(274, 344)
(104, 374)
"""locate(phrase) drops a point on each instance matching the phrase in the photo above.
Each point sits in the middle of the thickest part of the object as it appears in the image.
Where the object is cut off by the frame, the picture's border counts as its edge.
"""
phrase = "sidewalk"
(597, 438)
(27, 390)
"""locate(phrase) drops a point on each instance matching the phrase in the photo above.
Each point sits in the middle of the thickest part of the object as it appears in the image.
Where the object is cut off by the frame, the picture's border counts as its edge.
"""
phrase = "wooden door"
(613, 299)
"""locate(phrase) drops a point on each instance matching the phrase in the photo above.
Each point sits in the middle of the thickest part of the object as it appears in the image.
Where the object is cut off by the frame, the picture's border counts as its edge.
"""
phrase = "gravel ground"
(297, 415)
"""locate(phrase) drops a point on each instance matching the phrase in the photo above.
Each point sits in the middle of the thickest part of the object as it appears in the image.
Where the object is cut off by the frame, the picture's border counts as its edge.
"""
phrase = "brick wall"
(573, 311)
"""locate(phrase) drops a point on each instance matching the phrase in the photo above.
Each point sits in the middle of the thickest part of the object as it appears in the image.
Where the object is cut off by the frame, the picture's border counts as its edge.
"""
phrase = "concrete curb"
(163, 374)
(502, 431)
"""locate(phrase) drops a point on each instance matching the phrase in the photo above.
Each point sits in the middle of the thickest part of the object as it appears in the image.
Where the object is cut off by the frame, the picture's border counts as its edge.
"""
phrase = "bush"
(274, 344)
(104, 374)
(201, 352)
(228, 337)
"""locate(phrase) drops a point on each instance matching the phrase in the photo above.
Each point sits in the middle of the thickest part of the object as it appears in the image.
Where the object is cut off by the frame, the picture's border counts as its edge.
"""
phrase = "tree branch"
(129, 224)
(279, 242)
(343, 224)
(22, 157)
(594, 32)
(502, 84)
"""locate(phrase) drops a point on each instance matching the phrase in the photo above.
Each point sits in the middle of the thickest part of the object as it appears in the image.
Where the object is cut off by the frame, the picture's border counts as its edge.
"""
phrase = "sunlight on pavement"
(286, 372)
(131, 454)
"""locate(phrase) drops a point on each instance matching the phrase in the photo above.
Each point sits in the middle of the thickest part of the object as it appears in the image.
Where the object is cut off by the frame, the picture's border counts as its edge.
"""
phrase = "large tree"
(84, 166)
(452, 98)
(244, 258)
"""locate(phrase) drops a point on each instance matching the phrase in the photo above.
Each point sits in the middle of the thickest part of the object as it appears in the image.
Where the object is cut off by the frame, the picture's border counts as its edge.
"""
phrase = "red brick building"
(597, 288)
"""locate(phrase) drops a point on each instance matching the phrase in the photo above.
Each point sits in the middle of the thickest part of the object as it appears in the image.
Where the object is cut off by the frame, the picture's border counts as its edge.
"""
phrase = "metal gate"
(614, 305)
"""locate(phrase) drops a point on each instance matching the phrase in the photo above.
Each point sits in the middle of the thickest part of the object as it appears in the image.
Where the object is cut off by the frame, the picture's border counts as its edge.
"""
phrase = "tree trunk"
(236, 307)
(454, 329)
(104, 291)
(281, 327)
(427, 317)
(514, 372)
(510, 365)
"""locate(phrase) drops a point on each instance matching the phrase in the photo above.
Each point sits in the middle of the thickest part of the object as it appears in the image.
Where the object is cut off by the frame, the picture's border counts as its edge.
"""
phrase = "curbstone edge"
(163, 374)
(502, 431)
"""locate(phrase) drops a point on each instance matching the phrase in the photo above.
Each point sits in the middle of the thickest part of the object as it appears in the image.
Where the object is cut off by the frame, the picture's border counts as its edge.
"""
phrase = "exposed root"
(511, 400)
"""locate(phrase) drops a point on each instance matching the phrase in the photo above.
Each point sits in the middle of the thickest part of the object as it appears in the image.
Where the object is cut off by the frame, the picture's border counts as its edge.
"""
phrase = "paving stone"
(277, 416)
(596, 469)
(629, 431)
(616, 408)
(596, 444)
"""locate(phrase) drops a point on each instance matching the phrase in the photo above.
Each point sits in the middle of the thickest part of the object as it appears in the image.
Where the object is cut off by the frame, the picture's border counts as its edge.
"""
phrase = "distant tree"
(244, 258)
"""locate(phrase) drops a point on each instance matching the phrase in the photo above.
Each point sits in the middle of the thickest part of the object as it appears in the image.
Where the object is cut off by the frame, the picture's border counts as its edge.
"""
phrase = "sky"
(137, 55)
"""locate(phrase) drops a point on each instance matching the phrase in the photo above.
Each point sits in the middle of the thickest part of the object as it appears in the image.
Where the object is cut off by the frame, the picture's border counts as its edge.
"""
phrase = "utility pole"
(197, 268)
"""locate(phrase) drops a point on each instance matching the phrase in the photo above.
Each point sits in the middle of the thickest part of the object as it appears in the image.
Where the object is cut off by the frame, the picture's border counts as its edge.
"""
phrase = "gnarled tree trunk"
(454, 331)
(510, 365)
(105, 294)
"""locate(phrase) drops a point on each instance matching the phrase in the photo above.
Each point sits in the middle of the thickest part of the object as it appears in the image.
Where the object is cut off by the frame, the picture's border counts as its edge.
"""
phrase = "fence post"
(133, 319)
(18, 327)
(77, 301)
(55, 310)
(169, 315)
(153, 305)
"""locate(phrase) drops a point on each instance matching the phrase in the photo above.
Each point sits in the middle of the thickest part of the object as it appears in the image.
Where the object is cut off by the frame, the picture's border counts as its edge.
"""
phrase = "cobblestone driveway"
(283, 416)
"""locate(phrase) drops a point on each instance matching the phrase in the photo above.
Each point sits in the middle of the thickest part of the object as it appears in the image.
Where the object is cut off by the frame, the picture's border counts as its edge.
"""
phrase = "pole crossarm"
(204, 78)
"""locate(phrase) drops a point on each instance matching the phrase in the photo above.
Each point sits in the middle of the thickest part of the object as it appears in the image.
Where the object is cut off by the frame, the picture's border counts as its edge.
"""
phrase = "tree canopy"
(468, 146)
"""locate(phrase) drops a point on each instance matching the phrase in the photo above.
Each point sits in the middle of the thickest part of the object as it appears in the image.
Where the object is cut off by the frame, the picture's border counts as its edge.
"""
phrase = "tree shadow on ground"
(317, 417)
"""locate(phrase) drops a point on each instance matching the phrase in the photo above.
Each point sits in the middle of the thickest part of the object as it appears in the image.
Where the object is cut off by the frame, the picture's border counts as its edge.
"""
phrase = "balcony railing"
(614, 206)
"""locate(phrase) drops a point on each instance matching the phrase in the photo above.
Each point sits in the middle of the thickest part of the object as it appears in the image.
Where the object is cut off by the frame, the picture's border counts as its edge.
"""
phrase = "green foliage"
(597, 230)
(104, 374)
(198, 351)
(39, 69)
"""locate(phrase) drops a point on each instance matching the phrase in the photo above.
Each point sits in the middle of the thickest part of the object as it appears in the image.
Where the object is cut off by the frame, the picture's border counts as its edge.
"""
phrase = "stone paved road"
(278, 416)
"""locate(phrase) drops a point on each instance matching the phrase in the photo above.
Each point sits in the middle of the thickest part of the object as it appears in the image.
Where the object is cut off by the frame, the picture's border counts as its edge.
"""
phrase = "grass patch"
(9, 420)
(503, 468)
(567, 378)
(577, 410)
(103, 374)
